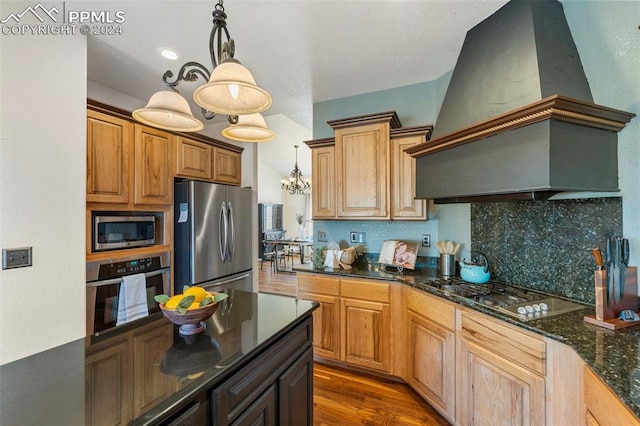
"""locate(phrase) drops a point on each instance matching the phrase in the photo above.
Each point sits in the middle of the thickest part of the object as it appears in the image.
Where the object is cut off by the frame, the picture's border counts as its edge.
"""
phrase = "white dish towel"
(132, 300)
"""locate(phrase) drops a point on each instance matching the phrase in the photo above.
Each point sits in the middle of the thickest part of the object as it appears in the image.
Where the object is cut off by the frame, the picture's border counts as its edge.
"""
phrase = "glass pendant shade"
(250, 128)
(170, 111)
(232, 90)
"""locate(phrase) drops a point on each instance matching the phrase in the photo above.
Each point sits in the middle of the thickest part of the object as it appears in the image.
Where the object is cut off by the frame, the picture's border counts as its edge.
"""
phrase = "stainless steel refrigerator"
(212, 236)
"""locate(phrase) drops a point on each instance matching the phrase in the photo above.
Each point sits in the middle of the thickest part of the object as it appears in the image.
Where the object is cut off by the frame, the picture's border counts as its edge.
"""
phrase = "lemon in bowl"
(190, 309)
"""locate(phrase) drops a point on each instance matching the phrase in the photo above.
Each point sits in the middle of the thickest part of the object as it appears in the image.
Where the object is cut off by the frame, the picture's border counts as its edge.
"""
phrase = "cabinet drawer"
(320, 284)
(523, 349)
(235, 395)
(431, 308)
(367, 290)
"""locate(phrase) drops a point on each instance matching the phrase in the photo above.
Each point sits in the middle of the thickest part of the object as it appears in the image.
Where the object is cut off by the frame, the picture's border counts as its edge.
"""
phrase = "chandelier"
(296, 184)
(230, 90)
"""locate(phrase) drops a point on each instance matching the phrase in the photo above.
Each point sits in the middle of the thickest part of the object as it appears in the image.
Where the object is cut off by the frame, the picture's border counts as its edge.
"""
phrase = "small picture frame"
(401, 254)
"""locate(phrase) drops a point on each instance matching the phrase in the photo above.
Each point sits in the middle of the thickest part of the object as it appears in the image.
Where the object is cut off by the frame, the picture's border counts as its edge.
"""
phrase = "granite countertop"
(613, 355)
(49, 387)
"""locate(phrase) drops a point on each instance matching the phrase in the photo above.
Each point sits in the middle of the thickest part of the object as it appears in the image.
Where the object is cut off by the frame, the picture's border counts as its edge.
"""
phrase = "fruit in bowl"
(190, 309)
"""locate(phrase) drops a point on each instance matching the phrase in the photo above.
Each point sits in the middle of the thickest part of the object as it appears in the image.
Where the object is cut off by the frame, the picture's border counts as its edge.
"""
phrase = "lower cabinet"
(353, 323)
(275, 388)
(501, 374)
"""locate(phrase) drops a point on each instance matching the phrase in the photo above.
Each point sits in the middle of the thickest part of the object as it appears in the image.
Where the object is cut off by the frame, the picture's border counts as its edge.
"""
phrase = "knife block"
(607, 315)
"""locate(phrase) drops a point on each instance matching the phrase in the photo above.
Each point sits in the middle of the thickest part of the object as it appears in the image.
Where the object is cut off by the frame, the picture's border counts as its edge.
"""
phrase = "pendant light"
(249, 128)
(296, 184)
(230, 90)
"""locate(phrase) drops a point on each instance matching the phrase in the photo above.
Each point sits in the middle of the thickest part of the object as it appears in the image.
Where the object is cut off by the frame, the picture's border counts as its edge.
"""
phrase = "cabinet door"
(495, 391)
(193, 159)
(362, 163)
(432, 363)
(150, 385)
(262, 412)
(403, 181)
(109, 154)
(295, 392)
(366, 330)
(227, 166)
(323, 182)
(153, 170)
(326, 325)
(196, 414)
(108, 386)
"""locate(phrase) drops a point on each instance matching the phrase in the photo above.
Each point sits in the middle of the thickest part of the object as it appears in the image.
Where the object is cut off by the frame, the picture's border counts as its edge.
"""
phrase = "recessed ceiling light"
(168, 53)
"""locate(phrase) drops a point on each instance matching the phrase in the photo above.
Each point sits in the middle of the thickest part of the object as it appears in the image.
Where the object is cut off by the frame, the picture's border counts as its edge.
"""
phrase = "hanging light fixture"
(296, 184)
(230, 90)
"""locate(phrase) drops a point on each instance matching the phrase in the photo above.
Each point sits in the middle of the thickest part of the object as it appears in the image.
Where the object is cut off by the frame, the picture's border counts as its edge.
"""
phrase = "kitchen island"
(253, 360)
(614, 356)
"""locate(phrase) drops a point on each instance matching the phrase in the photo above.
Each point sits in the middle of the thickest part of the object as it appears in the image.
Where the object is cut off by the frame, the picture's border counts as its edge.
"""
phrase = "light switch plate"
(353, 237)
(16, 257)
(322, 236)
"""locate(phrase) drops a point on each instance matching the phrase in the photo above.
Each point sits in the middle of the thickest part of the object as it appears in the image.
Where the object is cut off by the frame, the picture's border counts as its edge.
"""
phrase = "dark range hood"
(518, 120)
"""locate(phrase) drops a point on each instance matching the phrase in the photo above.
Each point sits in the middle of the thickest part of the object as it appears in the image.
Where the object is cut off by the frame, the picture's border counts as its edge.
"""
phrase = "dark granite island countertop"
(49, 387)
(613, 355)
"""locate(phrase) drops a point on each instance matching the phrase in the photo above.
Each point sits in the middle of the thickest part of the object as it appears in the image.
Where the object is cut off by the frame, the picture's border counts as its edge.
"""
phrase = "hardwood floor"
(344, 398)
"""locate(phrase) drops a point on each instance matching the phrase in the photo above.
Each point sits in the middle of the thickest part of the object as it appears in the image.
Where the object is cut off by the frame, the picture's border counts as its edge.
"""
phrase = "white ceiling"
(300, 51)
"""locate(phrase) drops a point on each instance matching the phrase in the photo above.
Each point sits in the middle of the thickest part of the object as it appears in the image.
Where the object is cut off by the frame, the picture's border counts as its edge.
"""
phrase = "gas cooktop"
(515, 301)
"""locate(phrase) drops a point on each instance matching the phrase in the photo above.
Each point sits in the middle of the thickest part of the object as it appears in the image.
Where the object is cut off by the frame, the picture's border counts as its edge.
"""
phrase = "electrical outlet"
(16, 258)
(353, 237)
(322, 237)
(362, 237)
(426, 240)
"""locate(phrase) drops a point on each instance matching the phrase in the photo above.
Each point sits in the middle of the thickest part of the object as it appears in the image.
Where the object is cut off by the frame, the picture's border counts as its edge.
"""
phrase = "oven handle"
(119, 280)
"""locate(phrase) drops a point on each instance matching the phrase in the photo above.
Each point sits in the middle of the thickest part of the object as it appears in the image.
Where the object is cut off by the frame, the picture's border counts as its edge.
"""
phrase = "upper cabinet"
(134, 165)
(364, 173)
(323, 178)
(403, 173)
(109, 158)
(153, 171)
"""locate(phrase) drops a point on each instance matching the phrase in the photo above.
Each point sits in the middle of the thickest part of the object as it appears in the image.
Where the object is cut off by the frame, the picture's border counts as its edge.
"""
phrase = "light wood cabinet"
(353, 323)
(109, 158)
(501, 374)
(364, 173)
(323, 178)
(431, 350)
(193, 159)
(404, 206)
(153, 171)
(227, 166)
(603, 408)
(326, 319)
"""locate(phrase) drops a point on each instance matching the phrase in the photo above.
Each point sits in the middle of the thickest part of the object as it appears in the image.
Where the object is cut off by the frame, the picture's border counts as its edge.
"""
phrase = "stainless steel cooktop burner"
(518, 302)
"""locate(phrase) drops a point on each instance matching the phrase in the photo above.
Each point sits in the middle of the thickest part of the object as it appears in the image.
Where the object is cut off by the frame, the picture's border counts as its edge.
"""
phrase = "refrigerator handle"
(231, 249)
(222, 228)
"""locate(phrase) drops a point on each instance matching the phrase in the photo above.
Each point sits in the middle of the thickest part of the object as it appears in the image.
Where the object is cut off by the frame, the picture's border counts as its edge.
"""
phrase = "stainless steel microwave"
(118, 232)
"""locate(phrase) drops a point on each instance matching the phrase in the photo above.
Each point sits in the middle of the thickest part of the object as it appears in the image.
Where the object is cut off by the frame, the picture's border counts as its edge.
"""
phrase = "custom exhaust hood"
(518, 120)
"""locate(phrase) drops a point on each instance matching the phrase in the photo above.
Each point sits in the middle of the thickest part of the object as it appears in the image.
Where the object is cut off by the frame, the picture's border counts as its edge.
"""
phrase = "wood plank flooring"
(342, 397)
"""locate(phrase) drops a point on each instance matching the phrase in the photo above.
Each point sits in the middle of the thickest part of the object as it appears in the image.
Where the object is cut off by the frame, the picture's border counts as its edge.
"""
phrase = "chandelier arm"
(188, 72)
(232, 119)
(206, 114)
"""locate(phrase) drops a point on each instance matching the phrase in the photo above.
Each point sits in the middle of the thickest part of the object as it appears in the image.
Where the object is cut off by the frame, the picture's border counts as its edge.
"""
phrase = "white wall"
(268, 184)
(42, 191)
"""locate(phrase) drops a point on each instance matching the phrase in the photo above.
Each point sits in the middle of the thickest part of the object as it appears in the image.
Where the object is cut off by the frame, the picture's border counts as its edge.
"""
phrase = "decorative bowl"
(191, 322)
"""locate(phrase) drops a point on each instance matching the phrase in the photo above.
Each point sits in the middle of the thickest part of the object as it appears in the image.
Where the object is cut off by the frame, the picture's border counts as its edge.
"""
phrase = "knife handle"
(625, 251)
(597, 255)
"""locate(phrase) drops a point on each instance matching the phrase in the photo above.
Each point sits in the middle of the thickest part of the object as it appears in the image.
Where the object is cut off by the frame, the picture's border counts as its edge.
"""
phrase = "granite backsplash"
(545, 245)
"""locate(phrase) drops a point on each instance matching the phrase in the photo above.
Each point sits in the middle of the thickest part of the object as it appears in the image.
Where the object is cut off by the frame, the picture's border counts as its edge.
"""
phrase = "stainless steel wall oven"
(103, 287)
